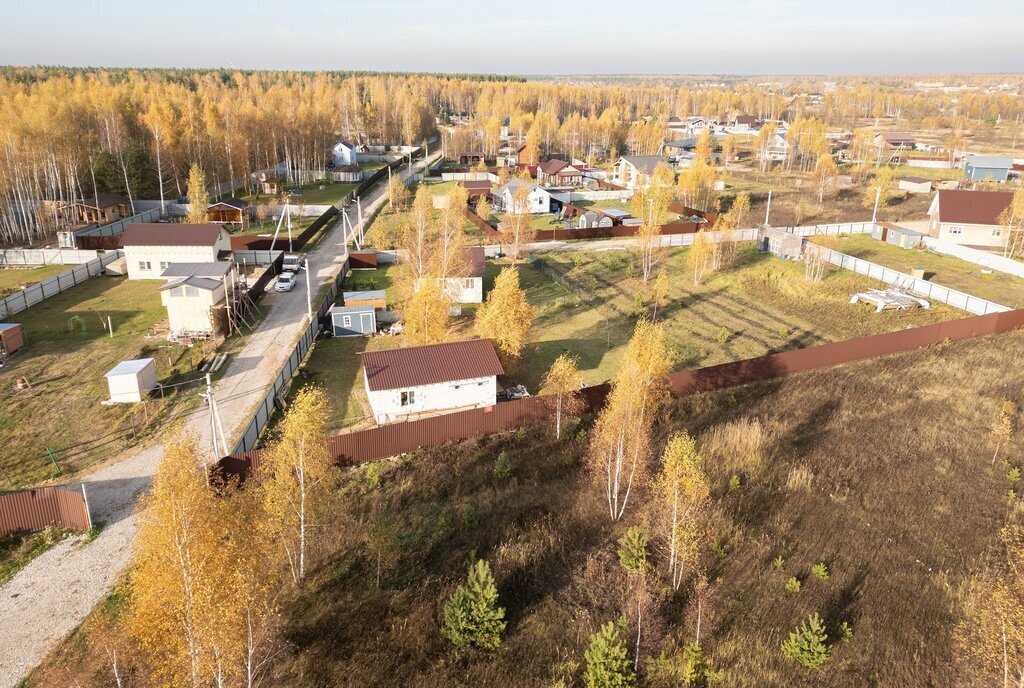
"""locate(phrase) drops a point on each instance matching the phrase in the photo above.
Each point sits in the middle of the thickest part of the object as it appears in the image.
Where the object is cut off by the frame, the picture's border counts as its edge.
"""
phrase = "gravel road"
(51, 596)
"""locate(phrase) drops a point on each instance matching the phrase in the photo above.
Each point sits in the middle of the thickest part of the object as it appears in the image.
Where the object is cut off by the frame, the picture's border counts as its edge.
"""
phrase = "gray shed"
(780, 243)
(904, 238)
(352, 321)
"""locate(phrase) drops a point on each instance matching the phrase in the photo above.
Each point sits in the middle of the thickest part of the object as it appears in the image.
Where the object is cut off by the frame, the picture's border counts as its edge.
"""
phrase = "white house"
(344, 153)
(196, 296)
(778, 148)
(538, 199)
(403, 384)
(469, 288)
(634, 171)
(150, 247)
(969, 218)
(916, 185)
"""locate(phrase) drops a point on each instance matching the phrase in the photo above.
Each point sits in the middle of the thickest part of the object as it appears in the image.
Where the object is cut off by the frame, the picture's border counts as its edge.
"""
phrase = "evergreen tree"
(472, 617)
(633, 550)
(807, 645)
(608, 664)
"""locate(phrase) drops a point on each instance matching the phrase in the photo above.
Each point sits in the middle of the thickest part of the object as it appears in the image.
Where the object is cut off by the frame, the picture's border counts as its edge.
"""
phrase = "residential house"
(509, 156)
(778, 148)
(347, 173)
(477, 189)
(538, 199)
(471, 158)
(353, 321)
(469, 287)
(230, 211)
(969, 218)
(196, 297)
(634, 171)
(982, 168)
(743, 123)
(101, 209)
(344, 153)
(402, 384)
(916, 185)
(677, 126)
(894, 140)
(557, 172)
(149, 248)
(695, 126)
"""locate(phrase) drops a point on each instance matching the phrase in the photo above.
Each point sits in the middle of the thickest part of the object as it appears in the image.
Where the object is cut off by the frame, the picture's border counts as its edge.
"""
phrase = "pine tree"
(807, 645)
(472, 617)
(633, 550)
(607, 659)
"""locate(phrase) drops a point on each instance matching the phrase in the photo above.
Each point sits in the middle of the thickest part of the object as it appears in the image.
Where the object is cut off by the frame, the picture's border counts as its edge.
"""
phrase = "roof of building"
(430, 365)
(214, 269)
(477, 261)
(513, 184)
(347, 144)
(130, 367)
(745, 119)
(365, 295)
(615, 212)
(972, 207)
(352, 309)
(236, 203)
(204, 283)
(552, 166)
(999, 162)
(682, 144)
(896, 137)
(105, 200)
(171, 234)
(916, 180)
(644, 163)
(479, 184)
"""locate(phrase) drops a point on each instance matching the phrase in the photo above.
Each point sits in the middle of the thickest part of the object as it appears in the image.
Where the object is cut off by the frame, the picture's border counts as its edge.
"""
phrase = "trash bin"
(917, 273)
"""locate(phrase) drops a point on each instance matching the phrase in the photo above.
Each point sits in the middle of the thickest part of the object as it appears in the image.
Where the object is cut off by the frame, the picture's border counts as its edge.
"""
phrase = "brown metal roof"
(477, 261)
(104, 200)
(552, 166)
(171, 234)
(973, 207)
(430, 365)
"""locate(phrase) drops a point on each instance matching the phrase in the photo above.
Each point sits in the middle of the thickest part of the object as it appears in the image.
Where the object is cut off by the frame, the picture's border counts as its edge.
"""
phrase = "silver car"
(285, 281)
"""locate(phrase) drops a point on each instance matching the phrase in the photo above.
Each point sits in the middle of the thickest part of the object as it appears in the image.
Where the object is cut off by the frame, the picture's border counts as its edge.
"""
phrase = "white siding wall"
(135, 256)
(972, 235)
(192, 313)
(465, 289)
(387, 404)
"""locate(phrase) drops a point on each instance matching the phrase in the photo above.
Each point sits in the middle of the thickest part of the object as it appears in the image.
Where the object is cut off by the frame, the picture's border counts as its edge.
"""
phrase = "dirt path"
(51, 596)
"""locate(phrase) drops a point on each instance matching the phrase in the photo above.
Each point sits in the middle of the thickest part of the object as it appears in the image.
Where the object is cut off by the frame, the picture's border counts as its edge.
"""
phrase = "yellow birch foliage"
(425, 315)
(198, 199)
(296, 482)
(561, 383)
(506, 318)
(517, 229)
(620, 447)
(451, 244)
(684, 494)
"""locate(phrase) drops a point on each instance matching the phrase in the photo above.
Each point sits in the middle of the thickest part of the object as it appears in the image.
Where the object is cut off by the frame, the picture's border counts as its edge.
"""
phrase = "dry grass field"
(13, 279)
(881, 470)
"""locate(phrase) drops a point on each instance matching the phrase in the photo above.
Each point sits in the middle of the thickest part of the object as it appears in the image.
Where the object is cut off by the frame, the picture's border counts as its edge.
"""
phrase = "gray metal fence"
(30, 296)
(837, 228)
(115, 228)
(935, 292)
(45, 256)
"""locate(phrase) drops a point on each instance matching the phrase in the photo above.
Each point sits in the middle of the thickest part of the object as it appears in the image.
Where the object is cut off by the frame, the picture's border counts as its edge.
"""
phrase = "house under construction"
(205, 300)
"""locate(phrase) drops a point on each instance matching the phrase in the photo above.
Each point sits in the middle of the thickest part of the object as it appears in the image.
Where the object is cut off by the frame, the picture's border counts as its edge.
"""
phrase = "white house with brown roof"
(556, 172)
(469, 288)
(195, 297)
(403, 384)
(969, 218)
(344, 153)
(149, 248)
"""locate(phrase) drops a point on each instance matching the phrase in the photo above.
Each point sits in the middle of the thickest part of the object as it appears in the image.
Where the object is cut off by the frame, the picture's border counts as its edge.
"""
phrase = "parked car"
(285, 281)
(293, 262)
(294, 192)
(512, 393)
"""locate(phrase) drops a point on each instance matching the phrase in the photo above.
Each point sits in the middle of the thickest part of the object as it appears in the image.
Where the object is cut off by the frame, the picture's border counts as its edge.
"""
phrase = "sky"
(531, 37)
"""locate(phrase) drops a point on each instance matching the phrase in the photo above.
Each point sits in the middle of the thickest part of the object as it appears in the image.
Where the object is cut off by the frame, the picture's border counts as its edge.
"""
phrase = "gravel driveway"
(51, 596)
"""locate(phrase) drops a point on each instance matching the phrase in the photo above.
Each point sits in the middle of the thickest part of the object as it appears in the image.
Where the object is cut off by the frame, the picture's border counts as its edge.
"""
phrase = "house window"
(191, 292)
(145, 265)
(467, 283)
(408, 398)
(956, 229)
(163, 265)
(346, 320)
(997, 232)
(177, 291)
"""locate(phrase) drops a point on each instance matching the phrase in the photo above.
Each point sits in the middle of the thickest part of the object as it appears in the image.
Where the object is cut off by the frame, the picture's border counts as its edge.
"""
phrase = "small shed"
(352, 321)
(916, 185)
(780, 243)
(362, 260)
(377, 298)
(130, 381)
(589, 220)
(12, 338)
(903, 237)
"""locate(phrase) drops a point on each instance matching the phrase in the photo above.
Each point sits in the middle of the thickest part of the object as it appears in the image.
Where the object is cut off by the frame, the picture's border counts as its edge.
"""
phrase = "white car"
(285, 281)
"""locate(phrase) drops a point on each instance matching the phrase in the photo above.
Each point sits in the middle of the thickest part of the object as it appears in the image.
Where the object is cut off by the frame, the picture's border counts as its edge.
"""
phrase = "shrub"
(723, 336)
(633, 550)
(503, 467)
(778, 563)
(793, 584)
(807, 644)
(820, 571)
(608, 664)
(844, 632)
(1013, 475)
(472, 617)
(640, 300)
(734, 483)
(469, 517)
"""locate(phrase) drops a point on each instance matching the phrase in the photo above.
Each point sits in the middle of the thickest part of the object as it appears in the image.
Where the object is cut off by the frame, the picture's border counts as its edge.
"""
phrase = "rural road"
(51, 596)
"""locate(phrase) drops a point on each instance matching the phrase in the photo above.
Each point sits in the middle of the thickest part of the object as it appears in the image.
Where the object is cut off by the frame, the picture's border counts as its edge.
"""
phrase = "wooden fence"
(397, 438)
(42, 507)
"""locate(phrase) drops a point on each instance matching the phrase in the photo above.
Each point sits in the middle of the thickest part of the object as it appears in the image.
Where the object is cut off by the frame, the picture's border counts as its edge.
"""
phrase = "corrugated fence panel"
(42, 507)
(30, 296)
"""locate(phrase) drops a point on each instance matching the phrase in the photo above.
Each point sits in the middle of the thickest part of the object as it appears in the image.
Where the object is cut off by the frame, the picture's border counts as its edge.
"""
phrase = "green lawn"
(588, 302)
(62, 411)
(13, 279)
(366, 280)
(945, 270)
(312, 194)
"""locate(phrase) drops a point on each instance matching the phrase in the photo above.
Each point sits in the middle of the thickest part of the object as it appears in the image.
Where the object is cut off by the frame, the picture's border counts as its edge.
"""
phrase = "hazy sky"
(524, 36)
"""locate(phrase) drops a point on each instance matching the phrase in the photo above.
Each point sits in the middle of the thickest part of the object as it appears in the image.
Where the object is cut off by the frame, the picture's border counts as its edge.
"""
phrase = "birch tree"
(562, 384)
(296, 483)
(506, 317)
(651, 205)
(684, 497)
(825, 172)
(425, 314)
(451, 244)
(1012, 218)
(701, 257)
(621, 441)
(198, 199)
(516, 228)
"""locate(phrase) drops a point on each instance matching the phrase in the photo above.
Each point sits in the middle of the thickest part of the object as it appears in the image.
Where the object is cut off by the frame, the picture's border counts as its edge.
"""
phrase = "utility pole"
(219, 444)
(288, 211)
(309, 295)
(768, 208)
(878, 195)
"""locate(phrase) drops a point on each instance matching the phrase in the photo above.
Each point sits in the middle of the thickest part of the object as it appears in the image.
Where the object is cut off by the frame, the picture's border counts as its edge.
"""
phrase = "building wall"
(465, 289)
(193, 313)
(981, 174)
(359, 324)
(968, 235)
(155, 255)
(344, 156)
(387, 404)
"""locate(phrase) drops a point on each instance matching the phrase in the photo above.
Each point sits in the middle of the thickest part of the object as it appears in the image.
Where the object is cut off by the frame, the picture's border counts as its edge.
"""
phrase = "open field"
(902, 511)
(13, 279)
(587, 303)
(945, 270)
(61, 419)
(386, 225)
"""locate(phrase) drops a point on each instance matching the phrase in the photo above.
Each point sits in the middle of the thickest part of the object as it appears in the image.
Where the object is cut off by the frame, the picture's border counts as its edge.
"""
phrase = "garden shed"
(12, 338)
(353, 321)
(131, 381)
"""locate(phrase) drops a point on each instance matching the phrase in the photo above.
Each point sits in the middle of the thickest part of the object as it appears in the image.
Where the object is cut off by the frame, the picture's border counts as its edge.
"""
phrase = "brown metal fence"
(41, 507)
(390, 440)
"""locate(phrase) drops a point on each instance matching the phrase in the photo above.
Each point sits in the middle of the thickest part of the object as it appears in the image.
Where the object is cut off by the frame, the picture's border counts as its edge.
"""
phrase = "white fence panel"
(37, 293)
(838, 228)
(45, 256)
(982, 259)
